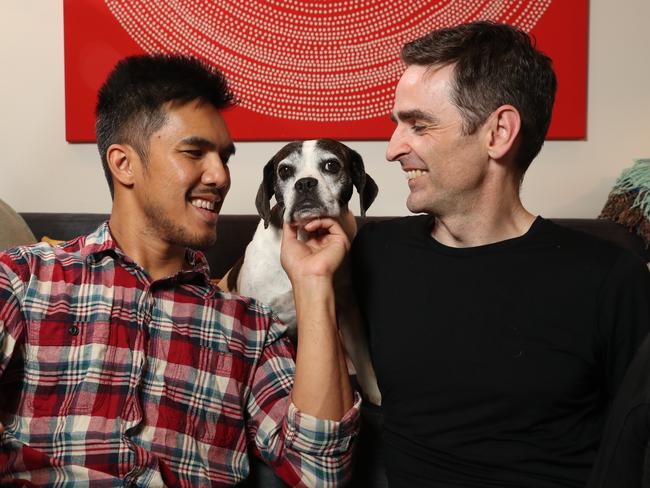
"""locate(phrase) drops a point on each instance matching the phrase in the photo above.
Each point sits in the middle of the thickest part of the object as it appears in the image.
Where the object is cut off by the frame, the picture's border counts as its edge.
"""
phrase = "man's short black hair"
(130, 103)
(494, 65)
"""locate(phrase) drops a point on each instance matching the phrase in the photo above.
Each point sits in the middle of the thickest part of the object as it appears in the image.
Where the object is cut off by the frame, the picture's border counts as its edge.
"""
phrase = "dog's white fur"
(261, 275)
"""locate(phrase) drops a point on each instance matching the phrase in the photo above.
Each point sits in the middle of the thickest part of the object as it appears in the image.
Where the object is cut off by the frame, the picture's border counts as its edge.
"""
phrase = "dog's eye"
(285, 172)
(332, 166)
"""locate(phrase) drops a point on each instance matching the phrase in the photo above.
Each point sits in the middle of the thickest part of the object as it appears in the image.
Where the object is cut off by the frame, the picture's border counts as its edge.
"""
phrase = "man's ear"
(505, 126)
(120, 159)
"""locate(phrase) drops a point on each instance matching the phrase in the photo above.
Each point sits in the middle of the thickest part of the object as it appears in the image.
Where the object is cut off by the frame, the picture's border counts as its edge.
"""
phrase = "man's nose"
(397, 146)
(304, 185)
(215, 172)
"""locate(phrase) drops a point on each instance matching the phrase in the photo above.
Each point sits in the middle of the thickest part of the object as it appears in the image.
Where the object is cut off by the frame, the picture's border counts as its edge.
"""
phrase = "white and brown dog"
(309, 179)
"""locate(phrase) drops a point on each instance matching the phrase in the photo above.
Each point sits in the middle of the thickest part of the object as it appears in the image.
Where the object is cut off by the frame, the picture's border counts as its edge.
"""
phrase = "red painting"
(306, 69)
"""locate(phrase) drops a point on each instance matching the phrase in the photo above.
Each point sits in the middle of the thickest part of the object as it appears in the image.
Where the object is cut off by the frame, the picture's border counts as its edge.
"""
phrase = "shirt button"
(74, 330)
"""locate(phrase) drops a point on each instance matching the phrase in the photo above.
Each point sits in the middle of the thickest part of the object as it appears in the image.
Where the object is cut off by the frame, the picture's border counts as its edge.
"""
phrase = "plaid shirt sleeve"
(302, 449)
(12, 322)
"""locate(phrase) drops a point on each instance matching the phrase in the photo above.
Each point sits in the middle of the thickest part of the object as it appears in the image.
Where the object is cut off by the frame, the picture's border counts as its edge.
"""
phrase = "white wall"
(39, 171)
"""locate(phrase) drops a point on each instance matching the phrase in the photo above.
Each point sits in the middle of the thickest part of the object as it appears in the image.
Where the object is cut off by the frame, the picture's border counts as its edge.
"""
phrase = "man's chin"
(203, 243)
(412, 206)
(196, 241)
(417, 207)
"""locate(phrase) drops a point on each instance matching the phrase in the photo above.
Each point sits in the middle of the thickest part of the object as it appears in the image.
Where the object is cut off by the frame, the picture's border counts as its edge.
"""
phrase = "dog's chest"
(262, 276)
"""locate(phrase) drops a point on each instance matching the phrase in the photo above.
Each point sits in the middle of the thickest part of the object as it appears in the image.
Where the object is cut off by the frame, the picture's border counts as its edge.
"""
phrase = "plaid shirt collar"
(101, 243)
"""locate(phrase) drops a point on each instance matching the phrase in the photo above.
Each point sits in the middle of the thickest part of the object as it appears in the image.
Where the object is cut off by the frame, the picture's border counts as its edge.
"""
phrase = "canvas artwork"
(303, 68)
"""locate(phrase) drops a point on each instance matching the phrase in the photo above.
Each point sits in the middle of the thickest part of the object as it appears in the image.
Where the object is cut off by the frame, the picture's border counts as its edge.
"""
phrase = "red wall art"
(305, 69)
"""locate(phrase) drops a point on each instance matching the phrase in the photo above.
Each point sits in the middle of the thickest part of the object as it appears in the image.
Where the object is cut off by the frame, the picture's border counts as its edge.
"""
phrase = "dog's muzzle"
(306, 185)
(306, 205)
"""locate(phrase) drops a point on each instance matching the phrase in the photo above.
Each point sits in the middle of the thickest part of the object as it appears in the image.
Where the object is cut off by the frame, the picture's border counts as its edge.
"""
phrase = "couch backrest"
(236, 231)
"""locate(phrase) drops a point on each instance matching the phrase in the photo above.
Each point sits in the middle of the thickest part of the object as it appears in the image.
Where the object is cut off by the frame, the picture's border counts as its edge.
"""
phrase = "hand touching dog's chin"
(302, 216)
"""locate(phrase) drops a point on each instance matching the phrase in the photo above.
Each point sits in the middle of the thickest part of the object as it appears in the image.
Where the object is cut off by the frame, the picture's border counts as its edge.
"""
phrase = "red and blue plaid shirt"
(110, 379)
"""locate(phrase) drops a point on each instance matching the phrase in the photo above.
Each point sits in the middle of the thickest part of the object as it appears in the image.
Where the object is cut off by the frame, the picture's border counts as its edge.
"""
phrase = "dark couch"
(235, 231)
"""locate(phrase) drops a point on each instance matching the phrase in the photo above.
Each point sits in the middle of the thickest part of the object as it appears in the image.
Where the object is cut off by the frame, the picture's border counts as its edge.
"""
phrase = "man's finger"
(331, 225)
(289, 230)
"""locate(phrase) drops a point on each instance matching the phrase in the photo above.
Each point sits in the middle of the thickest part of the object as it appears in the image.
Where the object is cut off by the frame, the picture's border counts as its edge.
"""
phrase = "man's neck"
(158, 258)
(483, 222)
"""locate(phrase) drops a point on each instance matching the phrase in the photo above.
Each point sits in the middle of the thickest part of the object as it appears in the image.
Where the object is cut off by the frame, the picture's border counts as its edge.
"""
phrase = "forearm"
(322, 387)
(303, 449)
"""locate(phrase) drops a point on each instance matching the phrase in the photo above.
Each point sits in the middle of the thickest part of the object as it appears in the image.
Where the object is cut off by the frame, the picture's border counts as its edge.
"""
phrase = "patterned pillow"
(50, 241)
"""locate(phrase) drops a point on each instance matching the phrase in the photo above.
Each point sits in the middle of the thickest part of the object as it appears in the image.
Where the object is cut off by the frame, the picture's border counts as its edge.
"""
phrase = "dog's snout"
(304, 185)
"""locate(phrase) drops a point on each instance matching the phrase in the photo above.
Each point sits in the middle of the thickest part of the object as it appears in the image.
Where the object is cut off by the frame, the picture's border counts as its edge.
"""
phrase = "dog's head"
(313, 179)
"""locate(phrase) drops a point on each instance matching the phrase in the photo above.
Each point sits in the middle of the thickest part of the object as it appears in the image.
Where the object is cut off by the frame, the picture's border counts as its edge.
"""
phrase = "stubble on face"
(175, 234)
(176, 173)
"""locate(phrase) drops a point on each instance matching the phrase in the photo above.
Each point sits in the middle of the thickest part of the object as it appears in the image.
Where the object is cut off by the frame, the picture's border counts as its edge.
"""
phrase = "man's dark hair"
(130, 103)
(494, 65)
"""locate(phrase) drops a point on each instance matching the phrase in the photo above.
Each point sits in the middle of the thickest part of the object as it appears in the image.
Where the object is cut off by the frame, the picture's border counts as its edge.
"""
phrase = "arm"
(621, 456)
(302, 418)
(322, 387)
(624, 316)
(302, 449)
(624, 319)
(12, 322)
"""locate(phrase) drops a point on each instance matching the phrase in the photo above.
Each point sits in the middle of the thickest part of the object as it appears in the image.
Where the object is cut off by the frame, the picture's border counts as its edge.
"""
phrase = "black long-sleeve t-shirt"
(497, 363)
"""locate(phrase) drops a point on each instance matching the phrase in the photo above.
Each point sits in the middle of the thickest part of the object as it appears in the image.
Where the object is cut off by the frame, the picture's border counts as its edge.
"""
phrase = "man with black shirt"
(498, 337)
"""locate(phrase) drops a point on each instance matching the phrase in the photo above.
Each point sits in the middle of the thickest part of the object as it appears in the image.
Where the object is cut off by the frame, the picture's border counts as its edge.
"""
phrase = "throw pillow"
(13, 228)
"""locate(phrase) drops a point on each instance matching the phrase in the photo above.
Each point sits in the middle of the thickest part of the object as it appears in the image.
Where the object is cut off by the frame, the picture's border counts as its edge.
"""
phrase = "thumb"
(289, 231)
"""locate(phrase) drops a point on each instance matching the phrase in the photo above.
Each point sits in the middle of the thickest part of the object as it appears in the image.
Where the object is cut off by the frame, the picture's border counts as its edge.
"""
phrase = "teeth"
(200, 203)
(414, 173)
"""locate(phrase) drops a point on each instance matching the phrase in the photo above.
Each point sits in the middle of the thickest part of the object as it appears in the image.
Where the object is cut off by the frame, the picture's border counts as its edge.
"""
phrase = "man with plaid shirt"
(122, 364)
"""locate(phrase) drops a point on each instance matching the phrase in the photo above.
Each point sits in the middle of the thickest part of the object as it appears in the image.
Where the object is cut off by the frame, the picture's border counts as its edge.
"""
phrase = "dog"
(309, 179)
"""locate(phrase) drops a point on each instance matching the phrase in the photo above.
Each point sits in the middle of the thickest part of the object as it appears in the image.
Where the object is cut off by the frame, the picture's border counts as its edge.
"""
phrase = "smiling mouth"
(204, 204)
(414, 173)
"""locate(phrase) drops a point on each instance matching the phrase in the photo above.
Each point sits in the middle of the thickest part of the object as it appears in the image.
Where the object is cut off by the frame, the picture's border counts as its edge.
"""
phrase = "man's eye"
(285, 172)
(418, 128)
(194, 153)
(332, 166)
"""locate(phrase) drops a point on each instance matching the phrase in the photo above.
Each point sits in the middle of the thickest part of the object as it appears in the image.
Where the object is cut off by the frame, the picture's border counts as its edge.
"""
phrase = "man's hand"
(321, 387)
(319, 255)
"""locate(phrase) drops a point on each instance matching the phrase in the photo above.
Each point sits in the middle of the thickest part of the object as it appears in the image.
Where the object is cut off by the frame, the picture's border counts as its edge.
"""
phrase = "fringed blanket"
(629, 201)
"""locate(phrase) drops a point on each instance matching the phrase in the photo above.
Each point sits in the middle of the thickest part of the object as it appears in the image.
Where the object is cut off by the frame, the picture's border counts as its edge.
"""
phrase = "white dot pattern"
(308, 60)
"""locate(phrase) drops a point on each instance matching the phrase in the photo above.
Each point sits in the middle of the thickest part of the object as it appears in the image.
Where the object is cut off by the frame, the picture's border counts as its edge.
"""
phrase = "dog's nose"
(304, 185)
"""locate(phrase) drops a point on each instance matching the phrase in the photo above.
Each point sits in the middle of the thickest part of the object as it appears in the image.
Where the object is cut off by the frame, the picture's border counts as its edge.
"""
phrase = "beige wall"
(41, 172)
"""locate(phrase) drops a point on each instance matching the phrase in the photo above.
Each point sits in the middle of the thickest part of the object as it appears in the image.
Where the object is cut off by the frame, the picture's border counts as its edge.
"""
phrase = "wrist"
(313, 293)
(312, 282)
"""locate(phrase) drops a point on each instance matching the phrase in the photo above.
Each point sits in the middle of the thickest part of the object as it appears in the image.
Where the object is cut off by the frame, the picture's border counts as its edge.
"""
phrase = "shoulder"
(39, 254)
(589, 252)
(589, 244)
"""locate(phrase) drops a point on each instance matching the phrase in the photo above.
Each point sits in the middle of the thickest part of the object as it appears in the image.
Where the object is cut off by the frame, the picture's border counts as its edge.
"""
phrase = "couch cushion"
(13, 229)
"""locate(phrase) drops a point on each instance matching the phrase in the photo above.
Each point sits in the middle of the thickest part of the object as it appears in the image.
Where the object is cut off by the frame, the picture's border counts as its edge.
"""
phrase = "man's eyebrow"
(415, 114)
(199, 141)
(227, 151)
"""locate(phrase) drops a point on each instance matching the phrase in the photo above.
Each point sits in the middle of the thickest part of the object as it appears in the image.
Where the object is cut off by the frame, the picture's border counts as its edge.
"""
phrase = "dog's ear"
(265, 192)
(362, 181)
